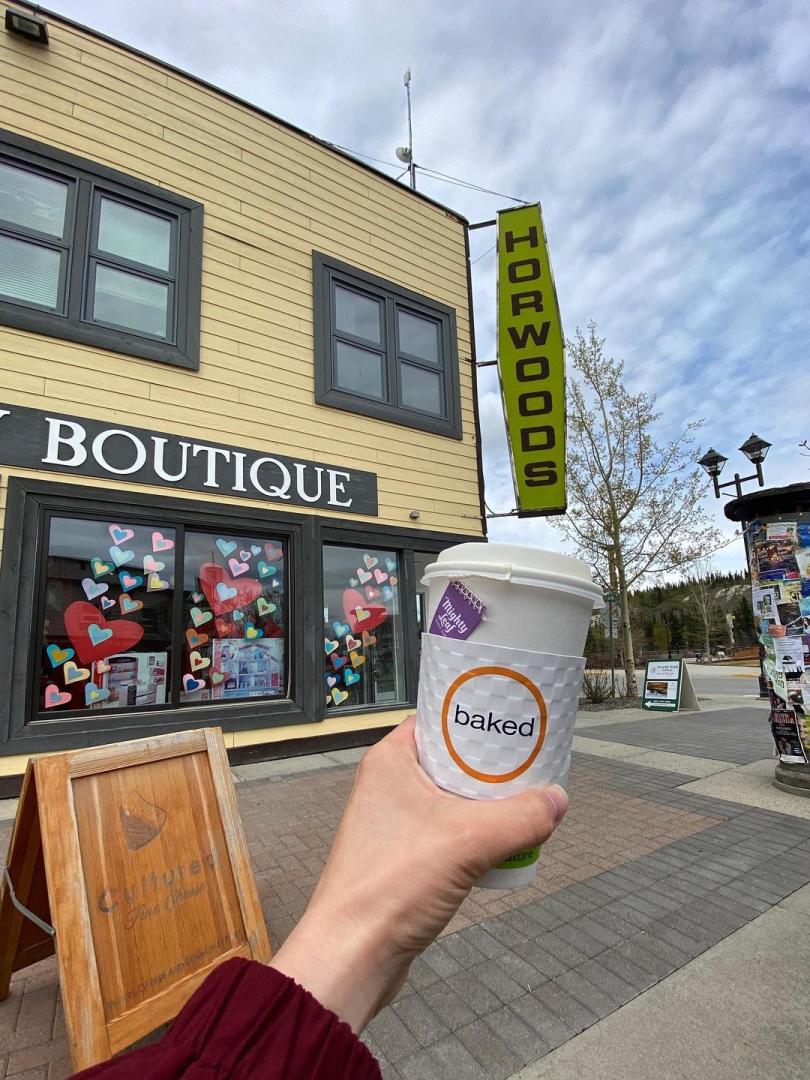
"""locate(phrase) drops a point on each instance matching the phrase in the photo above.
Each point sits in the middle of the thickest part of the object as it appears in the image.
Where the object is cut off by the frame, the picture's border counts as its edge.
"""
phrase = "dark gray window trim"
(30, 501)
(88, 178)
(327, 271)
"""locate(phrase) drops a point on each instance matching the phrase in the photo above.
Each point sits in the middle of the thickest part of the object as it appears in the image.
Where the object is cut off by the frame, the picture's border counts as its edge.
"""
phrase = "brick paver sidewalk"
(640, 878)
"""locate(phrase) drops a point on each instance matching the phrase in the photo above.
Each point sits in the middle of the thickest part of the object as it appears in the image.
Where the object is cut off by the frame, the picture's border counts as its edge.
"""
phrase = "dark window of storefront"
(120, 632)
(364, 642)
(384, 351)
(92, 255)
(124, 614)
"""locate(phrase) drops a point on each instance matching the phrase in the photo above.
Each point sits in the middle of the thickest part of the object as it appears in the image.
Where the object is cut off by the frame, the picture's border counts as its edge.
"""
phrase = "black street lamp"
(754, 448)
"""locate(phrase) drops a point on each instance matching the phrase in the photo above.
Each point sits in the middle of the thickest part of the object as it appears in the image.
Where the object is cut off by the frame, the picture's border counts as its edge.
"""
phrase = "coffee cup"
(500, 675)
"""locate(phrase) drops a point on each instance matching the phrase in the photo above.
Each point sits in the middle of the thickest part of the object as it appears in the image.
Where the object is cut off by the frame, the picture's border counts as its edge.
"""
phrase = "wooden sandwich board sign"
(668, 687)
(135, 854)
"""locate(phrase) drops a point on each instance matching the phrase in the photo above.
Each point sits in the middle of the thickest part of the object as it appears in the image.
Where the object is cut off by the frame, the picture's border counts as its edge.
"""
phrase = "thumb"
(519, 822)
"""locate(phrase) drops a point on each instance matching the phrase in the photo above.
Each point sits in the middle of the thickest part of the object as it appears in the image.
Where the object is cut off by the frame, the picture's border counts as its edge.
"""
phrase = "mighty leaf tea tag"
(458, 613)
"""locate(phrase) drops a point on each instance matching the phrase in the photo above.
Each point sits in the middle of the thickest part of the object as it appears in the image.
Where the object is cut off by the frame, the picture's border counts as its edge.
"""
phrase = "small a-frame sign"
(668, 687)
(130, 862)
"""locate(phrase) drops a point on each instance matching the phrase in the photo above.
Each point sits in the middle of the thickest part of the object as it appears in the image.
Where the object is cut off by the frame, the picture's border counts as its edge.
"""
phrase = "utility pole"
(411, 166)
(405, 153)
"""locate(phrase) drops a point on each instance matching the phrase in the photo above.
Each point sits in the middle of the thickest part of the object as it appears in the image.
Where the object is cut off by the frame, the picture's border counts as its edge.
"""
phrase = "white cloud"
(668, 143)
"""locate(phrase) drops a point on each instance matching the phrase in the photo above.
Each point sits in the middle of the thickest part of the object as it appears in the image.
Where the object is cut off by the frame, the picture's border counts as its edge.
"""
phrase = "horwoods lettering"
(531, 363)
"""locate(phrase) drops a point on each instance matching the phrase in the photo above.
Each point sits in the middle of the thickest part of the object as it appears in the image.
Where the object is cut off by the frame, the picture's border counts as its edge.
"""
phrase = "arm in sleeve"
(248, 1020)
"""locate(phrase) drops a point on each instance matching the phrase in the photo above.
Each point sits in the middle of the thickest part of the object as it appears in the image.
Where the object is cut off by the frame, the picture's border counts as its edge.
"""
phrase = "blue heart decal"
(226, 546)
(350, 677)
(341, 628)
(338, 662)
(225, 592)
(390, 565)
(129, 581)
(254, 549)
(97, 634)
(387, 592)
(238, 615)
(265, 570)
(329, 646)
(93, 693)
(120, 557)
(58, 656)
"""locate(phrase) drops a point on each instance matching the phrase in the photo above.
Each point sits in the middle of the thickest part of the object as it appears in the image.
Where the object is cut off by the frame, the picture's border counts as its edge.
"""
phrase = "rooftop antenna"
(405, 153)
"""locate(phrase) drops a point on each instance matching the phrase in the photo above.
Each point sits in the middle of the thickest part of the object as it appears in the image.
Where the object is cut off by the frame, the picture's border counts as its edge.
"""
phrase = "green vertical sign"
(531, 362)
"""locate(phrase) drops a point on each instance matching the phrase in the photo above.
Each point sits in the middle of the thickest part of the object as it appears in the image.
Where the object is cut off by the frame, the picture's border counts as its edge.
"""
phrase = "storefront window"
(107, 627)
(233, 618)
(111, 637)
(363, 633)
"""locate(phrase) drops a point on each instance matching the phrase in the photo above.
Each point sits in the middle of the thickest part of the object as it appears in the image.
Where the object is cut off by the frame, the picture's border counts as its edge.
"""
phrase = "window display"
(363, 634)
(110, 636)
(107, 623)
(233, 618)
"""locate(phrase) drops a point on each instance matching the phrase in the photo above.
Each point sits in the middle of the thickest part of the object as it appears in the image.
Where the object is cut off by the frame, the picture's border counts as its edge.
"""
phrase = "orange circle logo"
(505, 673)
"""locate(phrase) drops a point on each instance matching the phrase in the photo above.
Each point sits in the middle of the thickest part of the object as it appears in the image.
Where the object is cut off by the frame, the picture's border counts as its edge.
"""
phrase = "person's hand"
(405, 856)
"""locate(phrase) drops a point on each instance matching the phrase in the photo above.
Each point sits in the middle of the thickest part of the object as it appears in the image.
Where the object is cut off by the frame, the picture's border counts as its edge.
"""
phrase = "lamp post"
(754, 448)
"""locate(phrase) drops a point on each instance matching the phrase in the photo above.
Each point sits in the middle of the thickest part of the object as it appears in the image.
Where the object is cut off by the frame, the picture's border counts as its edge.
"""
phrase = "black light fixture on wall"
(28, 26)
(754, 448)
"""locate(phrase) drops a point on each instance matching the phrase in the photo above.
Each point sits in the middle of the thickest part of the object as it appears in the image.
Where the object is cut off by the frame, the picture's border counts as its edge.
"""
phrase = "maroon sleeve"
(248, 1020)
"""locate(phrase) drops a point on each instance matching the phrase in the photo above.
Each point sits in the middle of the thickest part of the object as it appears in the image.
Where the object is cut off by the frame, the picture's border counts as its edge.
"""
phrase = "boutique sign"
(33, 439)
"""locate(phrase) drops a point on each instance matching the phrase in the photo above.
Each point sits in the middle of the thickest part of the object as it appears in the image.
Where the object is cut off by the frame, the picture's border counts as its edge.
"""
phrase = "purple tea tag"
(458, 613)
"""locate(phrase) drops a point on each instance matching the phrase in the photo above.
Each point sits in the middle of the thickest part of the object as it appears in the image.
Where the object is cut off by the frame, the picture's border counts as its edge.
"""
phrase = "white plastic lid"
(520, 565)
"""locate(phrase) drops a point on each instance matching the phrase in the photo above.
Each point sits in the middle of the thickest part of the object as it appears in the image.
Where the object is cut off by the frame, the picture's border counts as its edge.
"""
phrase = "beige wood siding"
(271, 196)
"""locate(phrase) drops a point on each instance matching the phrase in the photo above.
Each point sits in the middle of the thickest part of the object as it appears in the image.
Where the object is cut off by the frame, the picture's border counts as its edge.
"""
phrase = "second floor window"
(94, 256)
(384, 351)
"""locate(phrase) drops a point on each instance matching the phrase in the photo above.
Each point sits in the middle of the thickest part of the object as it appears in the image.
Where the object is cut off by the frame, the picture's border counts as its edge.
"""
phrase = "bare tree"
(635, 504)
(704, 599)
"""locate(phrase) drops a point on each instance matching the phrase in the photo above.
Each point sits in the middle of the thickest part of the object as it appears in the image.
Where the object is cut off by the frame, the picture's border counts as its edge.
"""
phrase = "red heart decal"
(78, 619)
(232, 594)
(377, 613)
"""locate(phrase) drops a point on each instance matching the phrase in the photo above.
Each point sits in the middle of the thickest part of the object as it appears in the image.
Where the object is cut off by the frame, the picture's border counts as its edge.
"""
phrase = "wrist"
(341, 962)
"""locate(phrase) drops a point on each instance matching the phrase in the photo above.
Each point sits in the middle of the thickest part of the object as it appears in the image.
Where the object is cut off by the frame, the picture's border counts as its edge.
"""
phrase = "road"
(726, 680)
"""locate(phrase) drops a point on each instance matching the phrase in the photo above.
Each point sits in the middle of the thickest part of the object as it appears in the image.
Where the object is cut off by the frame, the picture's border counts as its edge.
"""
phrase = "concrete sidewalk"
(739, 1010)
(648, 883)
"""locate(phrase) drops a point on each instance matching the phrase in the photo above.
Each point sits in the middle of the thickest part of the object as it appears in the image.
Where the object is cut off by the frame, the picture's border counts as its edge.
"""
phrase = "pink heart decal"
(54, 697)
(151, 565)
(380, 576)
(352, 642)
(237, 567)
(363, 575)
(161, 542)
(120, 535)
(371, 592)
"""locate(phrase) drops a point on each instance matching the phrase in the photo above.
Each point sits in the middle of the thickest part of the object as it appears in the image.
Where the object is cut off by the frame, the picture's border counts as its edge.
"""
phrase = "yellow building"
(237, 412)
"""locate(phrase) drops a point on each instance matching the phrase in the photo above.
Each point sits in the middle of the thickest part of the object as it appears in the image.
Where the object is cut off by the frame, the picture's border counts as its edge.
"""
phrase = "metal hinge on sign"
(23, 910)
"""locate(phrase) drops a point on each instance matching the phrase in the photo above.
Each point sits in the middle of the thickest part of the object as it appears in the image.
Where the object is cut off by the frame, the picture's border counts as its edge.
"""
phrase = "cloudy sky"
(667, 140)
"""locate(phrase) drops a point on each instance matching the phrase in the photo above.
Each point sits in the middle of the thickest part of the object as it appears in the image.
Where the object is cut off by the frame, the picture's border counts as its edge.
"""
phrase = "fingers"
(520, 822)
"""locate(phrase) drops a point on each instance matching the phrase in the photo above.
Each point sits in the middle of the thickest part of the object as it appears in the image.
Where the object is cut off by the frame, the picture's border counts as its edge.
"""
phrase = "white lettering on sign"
(75, 440)
(100, 442)
(85, 445)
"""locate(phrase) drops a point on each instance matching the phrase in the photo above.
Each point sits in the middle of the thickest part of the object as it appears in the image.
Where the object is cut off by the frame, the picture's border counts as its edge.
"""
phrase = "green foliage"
(667, 609)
